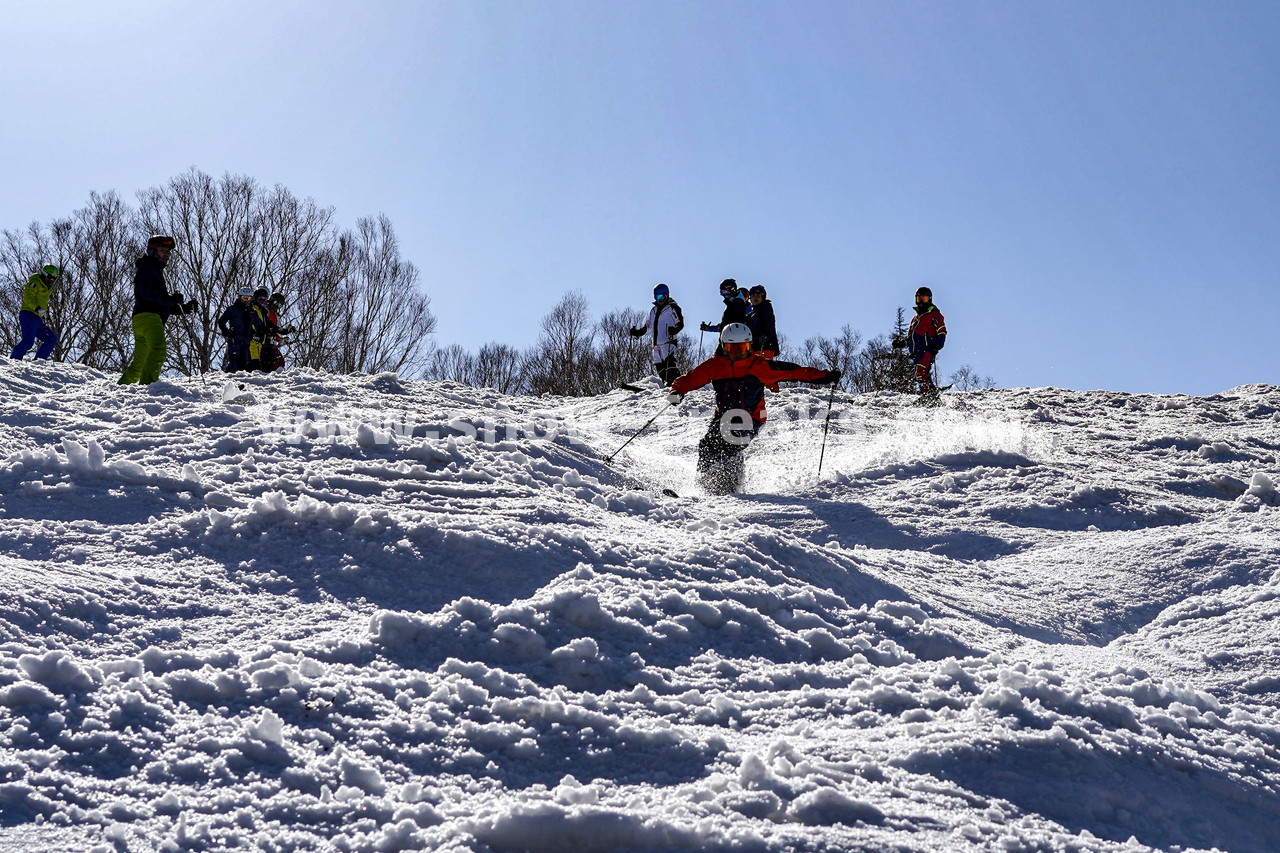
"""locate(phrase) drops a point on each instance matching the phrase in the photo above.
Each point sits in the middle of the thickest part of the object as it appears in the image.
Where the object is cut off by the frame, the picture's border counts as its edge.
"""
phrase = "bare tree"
(500, 367)
(555, 363)
(451, 364)
(885, 368)
(387, 319)
(318, 306)
(96, 299)
(843, 352)
(965, 378)
(618, 357)
(290, 233)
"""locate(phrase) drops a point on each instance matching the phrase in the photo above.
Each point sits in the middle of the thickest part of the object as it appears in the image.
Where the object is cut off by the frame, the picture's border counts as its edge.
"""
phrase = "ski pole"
(186, 321)
(825, 426)
(636, 433)
(701, 339)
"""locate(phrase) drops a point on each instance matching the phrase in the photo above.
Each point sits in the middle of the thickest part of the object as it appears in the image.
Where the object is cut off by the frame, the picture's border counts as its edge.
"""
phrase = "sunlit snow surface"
(316, 613)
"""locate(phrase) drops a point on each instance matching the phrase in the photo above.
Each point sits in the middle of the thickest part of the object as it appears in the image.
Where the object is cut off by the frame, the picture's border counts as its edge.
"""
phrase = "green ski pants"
(148, 350)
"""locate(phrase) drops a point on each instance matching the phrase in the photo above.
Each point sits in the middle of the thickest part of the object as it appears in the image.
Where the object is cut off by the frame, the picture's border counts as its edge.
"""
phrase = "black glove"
(189, 307)
(288, 330)
(635, 333)
(830, 378)
(706, 327)
(899, 343)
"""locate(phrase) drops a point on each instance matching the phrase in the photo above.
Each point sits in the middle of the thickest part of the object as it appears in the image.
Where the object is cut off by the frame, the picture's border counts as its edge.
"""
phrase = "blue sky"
(1090, 188)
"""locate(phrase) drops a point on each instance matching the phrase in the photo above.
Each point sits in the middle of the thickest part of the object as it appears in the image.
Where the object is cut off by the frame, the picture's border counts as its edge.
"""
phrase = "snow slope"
(362, 613)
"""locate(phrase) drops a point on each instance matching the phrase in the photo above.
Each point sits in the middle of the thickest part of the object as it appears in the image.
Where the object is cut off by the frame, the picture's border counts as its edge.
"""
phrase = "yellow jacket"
(35, 296)
(255, 343)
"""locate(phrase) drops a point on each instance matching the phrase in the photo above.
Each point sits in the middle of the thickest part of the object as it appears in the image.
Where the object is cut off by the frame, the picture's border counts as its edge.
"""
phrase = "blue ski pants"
(34, 328)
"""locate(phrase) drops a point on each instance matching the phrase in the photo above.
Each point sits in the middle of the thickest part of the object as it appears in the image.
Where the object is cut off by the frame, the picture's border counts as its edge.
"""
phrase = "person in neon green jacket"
(35, 308)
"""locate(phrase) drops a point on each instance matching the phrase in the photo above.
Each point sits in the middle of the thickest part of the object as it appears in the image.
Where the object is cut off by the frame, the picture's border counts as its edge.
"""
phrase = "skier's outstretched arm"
(698, 376)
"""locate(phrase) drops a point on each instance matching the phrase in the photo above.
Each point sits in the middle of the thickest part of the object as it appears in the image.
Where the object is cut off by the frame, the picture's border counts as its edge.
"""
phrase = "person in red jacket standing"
(925, 336)
(272, 357)
(739, 378)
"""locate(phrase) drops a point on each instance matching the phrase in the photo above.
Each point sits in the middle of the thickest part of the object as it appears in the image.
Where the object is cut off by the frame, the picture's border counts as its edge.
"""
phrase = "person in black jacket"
(764, 329)
(735, 309)
(152, 305)
(240, 324)
(735, 306)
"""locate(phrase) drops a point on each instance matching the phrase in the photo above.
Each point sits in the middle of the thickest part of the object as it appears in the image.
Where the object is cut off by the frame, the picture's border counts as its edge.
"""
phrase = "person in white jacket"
(665, 322)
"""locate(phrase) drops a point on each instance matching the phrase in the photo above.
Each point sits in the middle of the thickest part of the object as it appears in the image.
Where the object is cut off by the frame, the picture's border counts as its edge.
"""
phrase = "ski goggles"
(737, 348)
(921, 299)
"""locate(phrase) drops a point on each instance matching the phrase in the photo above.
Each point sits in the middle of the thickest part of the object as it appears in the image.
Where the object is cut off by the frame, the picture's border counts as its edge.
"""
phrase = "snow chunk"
(81, 457)
(269, 728)
(1262, 486)
(826, 806)
(551, 828)
(58, 668)
(363, 776)
(368, 435)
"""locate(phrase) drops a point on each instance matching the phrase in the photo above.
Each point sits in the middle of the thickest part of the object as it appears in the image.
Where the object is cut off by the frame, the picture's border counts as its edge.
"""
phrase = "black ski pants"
(666, 369)
(720, 460)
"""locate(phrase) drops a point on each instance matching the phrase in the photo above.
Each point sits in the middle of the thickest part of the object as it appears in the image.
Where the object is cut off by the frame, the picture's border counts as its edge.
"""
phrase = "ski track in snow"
(320, 613)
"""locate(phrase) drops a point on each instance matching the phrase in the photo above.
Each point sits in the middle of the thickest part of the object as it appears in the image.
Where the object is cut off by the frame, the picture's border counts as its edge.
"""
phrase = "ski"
(933, 398)
(627, 386)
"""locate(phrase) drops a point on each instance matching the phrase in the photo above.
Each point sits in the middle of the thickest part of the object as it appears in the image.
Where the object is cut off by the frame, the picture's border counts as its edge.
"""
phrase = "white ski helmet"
(735, 333)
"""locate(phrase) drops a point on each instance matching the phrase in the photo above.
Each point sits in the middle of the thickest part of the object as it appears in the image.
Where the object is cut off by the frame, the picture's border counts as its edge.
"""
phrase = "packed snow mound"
(306, 611)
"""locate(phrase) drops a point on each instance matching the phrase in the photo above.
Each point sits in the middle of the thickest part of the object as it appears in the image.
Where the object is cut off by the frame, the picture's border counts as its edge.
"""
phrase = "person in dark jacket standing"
(152, 305)
(926, 335)
(240, 324)
(666, 320)
(764, 329)
(735, 310)
(735, 307)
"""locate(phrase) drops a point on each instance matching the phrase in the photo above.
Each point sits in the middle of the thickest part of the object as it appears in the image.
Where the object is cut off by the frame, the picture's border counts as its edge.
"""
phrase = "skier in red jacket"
(925, 336)
(740, 378)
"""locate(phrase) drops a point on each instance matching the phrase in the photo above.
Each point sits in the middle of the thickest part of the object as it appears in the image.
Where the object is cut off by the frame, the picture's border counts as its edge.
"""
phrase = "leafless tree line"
(575, 356)
(874, 365)
(355, 302)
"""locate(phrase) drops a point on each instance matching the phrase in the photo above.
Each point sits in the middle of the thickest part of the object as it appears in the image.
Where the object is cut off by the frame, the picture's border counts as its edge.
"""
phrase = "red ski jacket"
(927, 332)
(740, 384)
